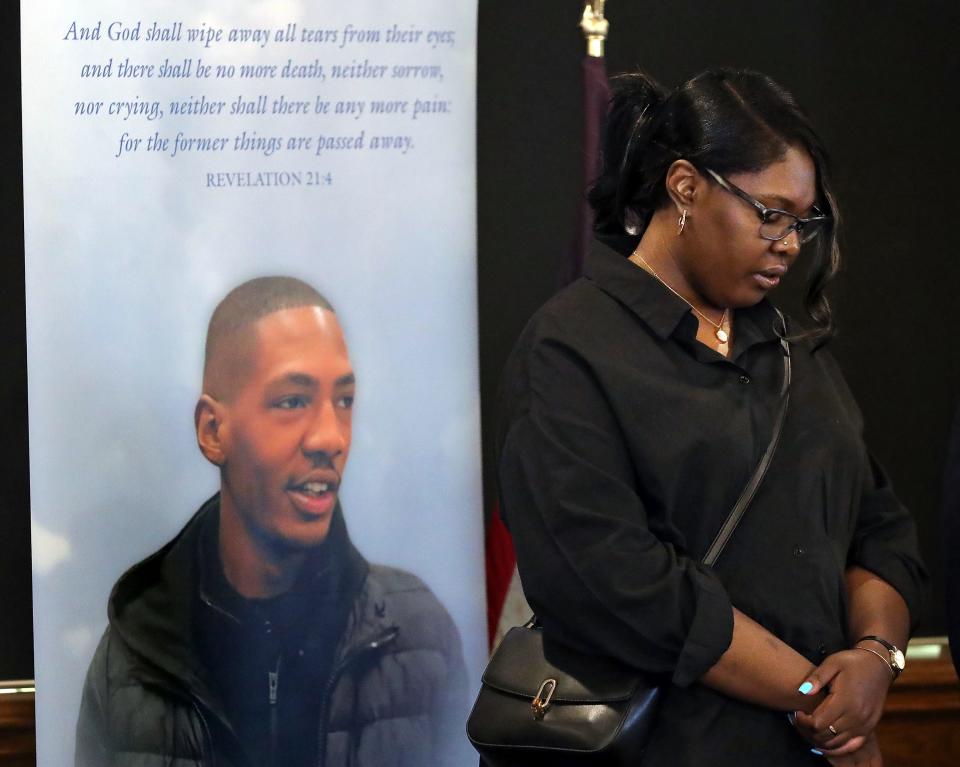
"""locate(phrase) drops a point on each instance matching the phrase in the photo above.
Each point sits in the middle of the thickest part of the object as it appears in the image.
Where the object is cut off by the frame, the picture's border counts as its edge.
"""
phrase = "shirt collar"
(658, 307)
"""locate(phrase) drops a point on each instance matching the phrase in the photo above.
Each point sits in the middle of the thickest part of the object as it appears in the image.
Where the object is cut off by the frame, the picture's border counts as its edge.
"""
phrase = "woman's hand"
(807, 732)
(857, 683)
(867, 756)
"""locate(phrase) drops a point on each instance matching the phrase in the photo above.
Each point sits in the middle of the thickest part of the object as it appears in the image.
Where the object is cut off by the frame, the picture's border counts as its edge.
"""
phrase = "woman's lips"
(766, 282)
(769, 278)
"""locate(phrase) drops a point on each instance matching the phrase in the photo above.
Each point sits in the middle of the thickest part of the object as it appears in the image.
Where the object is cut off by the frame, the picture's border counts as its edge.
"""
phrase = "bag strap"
(736, 513)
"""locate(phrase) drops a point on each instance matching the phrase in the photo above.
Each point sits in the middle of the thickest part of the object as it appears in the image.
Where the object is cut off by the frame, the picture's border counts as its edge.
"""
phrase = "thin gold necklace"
(722, 335)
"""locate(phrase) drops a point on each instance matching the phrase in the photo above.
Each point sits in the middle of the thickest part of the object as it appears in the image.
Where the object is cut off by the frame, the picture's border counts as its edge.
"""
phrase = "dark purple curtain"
(596, 95)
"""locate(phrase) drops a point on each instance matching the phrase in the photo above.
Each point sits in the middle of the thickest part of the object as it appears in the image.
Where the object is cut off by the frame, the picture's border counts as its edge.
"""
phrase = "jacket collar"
(331, 572)
(153, 606)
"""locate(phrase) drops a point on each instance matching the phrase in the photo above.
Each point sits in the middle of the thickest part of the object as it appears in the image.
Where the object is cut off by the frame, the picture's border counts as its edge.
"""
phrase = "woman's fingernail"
(814, 751)
(806, 687)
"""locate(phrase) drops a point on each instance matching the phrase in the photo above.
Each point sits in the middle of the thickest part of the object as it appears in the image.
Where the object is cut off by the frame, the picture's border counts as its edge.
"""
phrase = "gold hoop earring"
(681, 222)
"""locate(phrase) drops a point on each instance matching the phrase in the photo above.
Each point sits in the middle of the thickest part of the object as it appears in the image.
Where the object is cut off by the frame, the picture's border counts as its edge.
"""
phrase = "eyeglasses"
(776, 224)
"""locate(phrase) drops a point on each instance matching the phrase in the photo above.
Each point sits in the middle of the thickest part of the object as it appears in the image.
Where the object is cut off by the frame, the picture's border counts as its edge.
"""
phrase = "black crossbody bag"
(542, 703)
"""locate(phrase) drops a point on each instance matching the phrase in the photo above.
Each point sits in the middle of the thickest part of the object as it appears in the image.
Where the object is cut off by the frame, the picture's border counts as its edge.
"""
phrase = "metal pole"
(595, 27)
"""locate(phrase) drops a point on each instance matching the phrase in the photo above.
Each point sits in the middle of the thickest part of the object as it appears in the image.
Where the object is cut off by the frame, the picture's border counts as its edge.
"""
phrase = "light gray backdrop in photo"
(126, 257)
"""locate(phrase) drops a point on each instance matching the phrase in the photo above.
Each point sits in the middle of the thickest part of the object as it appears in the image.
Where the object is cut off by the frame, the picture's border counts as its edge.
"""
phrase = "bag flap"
(524, 660)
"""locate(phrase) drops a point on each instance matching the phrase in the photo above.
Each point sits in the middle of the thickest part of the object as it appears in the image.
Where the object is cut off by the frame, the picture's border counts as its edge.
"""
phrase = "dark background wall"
(879, 81)
(16, 648)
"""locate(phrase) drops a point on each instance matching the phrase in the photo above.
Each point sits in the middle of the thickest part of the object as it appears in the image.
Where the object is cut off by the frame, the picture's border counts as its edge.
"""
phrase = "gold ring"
(832, 729)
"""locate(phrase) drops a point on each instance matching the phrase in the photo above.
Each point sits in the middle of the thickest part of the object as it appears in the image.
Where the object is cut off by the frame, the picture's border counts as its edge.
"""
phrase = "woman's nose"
(789, 245)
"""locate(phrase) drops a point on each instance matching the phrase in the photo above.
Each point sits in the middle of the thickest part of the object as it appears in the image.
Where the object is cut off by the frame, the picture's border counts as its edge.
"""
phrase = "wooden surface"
(18, 744)
(920, 728)
(921, 723)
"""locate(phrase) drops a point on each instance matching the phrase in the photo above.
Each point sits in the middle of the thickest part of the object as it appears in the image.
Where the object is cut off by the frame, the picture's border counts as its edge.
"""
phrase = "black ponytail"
(635, 106)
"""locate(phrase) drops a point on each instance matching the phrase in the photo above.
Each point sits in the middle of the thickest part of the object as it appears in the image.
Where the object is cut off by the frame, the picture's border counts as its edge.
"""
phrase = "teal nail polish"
(814, 751)
(806, 687)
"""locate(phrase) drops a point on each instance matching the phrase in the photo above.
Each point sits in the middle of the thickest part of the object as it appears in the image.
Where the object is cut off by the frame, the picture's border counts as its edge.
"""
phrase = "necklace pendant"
(722, 336)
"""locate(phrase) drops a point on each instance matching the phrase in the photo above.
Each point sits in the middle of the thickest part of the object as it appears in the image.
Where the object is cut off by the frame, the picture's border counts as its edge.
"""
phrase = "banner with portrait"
(174, 152)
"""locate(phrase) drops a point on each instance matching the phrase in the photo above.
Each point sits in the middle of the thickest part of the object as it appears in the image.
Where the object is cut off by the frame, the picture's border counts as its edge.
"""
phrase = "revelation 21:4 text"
(252, 179)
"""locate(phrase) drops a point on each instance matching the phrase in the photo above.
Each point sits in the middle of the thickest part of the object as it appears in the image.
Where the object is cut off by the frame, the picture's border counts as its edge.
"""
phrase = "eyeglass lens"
(776, 226)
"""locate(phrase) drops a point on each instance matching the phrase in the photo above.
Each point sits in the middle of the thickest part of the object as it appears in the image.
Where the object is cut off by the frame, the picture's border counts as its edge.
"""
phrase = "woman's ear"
(208, 417)
(683, 183)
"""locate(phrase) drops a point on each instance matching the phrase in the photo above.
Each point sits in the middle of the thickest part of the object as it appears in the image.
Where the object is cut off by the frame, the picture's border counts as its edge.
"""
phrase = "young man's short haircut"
(229, 341)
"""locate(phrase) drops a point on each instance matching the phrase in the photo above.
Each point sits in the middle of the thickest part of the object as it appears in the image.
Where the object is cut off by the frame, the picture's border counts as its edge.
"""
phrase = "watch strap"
(889, 645)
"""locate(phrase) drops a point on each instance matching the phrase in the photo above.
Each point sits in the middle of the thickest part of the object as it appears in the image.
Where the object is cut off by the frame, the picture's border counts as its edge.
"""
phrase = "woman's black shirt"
(625, 444)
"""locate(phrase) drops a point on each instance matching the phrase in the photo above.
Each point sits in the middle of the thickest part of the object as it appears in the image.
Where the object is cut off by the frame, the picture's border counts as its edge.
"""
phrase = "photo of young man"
(260, 635)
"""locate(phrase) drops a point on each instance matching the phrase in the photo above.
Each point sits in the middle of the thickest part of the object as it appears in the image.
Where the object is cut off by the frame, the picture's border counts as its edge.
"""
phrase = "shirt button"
(744, 379)
(799, 551)
(822, 649)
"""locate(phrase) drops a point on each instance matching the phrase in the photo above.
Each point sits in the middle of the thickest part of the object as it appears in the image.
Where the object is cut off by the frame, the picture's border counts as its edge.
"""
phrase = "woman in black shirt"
(638, 402)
